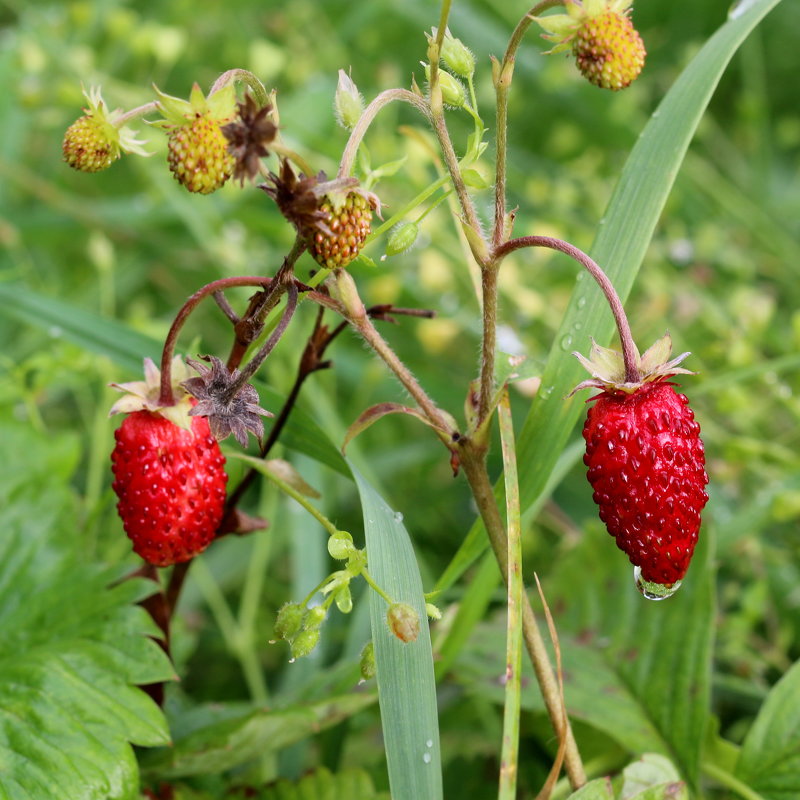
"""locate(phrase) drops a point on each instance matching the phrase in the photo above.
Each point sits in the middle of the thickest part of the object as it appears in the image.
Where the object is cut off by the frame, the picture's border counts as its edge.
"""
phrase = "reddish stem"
(166, 398)
(629, 352)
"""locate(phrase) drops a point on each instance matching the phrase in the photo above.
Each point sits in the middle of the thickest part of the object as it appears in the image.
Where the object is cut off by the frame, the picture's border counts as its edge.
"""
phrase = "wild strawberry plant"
(610, 672)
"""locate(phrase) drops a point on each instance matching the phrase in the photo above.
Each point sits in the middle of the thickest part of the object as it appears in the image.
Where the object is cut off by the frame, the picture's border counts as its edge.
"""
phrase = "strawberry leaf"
(74, 647)
(351, 784)
(770, 758)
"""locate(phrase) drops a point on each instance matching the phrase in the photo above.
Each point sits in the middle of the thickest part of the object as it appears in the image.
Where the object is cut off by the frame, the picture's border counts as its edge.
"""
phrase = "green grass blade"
(621, 243)
(406, 685)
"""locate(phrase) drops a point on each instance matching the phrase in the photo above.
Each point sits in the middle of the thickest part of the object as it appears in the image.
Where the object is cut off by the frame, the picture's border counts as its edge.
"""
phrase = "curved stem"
(374, 586)
(366, 119)
(166, 397)
(137, 112)
(629, 352)
(286, 152)
(243, 76)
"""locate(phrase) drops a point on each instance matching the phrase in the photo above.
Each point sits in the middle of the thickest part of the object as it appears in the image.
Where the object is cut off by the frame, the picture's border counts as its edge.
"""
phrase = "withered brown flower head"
(248, 137)
(226, 415)
(300, 199)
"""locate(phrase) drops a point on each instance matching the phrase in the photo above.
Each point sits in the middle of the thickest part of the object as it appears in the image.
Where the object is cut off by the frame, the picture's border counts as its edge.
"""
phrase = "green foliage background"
(129, 245)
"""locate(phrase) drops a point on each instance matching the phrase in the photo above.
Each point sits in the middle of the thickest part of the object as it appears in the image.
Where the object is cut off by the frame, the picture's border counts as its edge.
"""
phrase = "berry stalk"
(629, 350)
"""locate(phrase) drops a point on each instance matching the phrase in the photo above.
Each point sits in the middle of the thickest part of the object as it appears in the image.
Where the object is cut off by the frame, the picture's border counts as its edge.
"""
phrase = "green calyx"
(607, 367)
(219, 106)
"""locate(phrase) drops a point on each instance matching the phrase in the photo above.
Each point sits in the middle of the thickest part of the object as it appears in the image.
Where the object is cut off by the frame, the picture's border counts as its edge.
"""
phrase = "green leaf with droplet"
(406, 684)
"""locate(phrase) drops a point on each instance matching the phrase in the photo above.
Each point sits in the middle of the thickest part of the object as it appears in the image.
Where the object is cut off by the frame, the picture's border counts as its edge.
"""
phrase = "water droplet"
(566, 342)
(292, 660)
(656, 114)
(602, 221)
(577, 326)
(56, 331)
(546, 392)
(398, 516)
(581, 302)
(651, 590)
(429, 743)
(426, 757)
(739, 8)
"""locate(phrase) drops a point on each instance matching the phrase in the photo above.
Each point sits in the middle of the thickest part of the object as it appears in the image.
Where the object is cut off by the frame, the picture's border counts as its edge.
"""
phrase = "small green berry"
(367, 665)
(402, 238)
(340, 545)
(304, 643)
(314, 618)
(289, 621)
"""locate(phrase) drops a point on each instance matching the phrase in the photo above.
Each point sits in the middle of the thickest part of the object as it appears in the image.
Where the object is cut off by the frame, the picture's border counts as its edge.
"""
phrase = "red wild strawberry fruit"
(169, 473)
(646, 464)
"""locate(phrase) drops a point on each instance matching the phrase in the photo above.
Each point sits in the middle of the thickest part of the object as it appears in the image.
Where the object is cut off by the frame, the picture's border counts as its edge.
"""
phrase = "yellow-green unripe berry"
(432, 611)
(367, 665)
(304, 643)
(453, 93)
(340, 545)
(289, 621)
(457, 56)
(403, 622)
(314, 618)
(402, 238)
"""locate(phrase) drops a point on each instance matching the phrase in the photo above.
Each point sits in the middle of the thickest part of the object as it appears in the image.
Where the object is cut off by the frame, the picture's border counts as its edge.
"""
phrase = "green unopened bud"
(344, 600)
(304, 643)
(342, 287)
(290, 618)
(457, 56)
(402, 238)
(340, 545)
(432, 611)
(403, 622)
(452, 91)
(367, 664)
(314, 618)
(348, 102)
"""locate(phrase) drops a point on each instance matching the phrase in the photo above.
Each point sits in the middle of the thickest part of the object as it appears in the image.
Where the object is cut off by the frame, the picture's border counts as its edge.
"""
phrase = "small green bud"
(348, 102)
(290, 618)
(367, 663)
(457, 57)
(344, 600)
(432, 611)
(340, 545)
(314, 618)
(403, 622)
(452, 91)
(304, 643)
(402, 238)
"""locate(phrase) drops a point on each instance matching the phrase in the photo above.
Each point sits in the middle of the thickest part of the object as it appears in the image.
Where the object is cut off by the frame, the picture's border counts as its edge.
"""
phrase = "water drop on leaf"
(652, 590)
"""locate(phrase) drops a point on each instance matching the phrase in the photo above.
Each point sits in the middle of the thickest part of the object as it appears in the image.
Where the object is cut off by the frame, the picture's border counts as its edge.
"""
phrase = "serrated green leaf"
(351, 784)
(770, 758)
(218, 739)
(74, 646)
(406, 684)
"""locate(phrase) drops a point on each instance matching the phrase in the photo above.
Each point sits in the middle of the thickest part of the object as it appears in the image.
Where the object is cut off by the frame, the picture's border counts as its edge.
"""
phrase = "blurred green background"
(130, 244)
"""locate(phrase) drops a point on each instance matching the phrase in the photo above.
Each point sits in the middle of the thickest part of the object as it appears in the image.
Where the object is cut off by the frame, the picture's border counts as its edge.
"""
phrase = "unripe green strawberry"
(169, 472)
(97, 139)
(348, 224)
(198, 155)
(197, 149)
(646, 464)
(607, 48)
(609, 51)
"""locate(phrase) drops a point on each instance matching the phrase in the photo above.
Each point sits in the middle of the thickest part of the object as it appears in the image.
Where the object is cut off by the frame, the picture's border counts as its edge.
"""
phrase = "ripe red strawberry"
(646, 464)
(169, 475)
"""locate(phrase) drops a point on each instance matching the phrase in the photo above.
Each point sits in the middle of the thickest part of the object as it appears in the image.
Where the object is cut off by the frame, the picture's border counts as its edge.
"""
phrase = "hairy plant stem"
(472, 457)
(137, 112)
(503, 77)
(489, 339)
(363, 324)
(366, 119)
(630, 354)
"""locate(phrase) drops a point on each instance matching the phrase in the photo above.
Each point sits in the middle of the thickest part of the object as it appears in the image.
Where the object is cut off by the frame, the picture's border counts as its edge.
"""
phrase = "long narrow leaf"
(406, 685)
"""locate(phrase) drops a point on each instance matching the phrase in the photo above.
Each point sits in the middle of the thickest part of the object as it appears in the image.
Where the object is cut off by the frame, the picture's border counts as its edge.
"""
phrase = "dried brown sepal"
(249, 137)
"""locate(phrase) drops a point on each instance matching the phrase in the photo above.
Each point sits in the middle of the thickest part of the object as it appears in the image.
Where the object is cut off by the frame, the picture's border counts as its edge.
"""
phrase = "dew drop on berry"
(651, 590)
